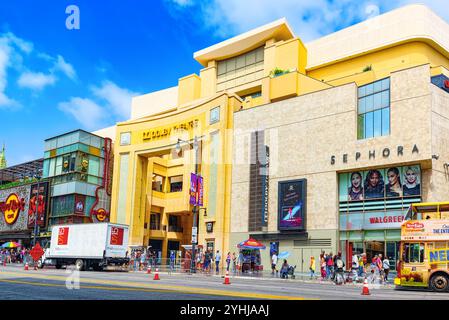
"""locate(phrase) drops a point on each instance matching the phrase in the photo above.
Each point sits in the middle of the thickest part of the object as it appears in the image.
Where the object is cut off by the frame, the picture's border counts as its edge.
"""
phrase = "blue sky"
(53, 80)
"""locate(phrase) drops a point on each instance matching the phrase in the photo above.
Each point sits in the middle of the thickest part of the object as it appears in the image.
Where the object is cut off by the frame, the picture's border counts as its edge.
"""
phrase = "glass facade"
(74, 163)
(374, 109)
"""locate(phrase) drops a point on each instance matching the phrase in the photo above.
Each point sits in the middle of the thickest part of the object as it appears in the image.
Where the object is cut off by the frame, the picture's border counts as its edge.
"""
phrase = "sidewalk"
(267, 276)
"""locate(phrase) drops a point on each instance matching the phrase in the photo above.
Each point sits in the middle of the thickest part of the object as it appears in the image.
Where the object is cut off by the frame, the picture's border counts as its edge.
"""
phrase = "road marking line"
(182, 289)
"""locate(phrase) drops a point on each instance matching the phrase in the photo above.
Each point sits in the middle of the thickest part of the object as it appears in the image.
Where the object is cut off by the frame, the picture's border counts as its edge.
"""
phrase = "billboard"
(14, 206)
(292, 205)
(387, 183)
(193, 190)
(431, 230)
(38, 202)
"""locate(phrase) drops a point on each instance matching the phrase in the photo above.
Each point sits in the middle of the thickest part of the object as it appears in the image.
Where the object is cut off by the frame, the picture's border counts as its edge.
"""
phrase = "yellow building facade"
(263, 66)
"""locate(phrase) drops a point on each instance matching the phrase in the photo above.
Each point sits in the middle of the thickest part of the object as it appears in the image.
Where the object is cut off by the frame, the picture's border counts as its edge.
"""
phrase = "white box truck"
(90, 245)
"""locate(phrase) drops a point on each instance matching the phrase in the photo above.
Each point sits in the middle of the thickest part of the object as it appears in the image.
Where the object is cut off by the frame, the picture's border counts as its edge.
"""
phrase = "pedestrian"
(234, 258)
(217, 261)
(323, 265)
(228, 261)
(142, 260)
(362, 264)
(284, 270)
(380, 267)
(355, 266)
(329, 266)
(339, 266)
(312, 267)
(199, 259)
(137, 261)
(274, 261)
(386, 266)
(172, 260)
(240, 262)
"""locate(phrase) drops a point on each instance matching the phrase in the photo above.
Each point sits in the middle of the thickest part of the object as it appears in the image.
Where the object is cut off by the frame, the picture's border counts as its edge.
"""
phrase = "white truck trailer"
(90, 245)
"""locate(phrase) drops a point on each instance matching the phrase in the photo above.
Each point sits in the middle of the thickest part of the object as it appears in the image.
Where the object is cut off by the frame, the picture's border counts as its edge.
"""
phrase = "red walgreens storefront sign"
(116, 236)
(391, 219)
(63, 236)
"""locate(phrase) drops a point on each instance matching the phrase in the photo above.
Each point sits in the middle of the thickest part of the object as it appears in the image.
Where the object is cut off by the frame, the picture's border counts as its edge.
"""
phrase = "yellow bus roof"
(430, 206)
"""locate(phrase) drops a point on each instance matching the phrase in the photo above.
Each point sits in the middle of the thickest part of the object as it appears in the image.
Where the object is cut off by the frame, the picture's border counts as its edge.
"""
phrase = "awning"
(250, 244)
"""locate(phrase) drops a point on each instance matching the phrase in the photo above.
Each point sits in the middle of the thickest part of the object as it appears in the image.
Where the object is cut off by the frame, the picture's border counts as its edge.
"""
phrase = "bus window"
(414, 252)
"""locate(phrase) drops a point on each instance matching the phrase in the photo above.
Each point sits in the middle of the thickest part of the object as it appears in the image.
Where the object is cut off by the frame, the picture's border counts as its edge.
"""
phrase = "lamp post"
(195, 207)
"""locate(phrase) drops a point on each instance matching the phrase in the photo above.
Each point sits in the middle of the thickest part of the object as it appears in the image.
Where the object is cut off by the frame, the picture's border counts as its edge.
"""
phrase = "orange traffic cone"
(226, 279)
(149, 270)
(156, 275)
(26, 266)
(365, 290)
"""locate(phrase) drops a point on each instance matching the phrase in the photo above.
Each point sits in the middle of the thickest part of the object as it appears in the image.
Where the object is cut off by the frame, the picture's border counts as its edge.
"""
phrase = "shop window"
(155, 221)
(176, 184)
(158, 183)
(374, 109)
(210, 246)
(413, 252)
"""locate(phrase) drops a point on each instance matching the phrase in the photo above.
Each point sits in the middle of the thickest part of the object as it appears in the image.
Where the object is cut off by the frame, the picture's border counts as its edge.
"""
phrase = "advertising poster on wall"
(39, 202)
(292, 205)
(14, 204)
(80, 202)
(379, 184)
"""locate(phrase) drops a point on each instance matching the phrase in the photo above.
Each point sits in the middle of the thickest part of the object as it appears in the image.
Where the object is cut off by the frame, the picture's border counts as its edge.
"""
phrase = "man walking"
(217, 262)
(274, 261)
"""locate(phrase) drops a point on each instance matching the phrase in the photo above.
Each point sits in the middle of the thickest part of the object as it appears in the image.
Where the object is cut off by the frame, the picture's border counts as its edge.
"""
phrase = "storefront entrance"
(372, 248)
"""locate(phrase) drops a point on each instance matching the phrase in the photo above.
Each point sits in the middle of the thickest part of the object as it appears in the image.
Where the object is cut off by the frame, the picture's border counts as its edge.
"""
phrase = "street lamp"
(195, 207)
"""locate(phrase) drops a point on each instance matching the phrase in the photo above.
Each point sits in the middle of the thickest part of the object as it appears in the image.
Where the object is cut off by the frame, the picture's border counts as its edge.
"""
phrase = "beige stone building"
(336, 169)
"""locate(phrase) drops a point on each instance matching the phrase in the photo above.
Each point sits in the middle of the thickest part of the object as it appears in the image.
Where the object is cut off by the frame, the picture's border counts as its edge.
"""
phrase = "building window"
(155, 221)
(374, 109)
(214, 115)
(125, 138)
(174, 224)
(158, 183)
(176, 184)
(239, 70)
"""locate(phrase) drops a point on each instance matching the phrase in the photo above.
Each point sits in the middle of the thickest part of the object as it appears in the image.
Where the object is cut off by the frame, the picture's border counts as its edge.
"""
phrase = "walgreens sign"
(387, 220)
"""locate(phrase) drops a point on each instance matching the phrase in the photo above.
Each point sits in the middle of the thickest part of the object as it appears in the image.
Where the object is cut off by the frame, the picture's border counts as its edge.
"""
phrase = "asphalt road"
(16, 283)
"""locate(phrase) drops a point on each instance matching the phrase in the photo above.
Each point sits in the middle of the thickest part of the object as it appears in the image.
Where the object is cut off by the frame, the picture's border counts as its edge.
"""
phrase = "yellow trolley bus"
(424, 248)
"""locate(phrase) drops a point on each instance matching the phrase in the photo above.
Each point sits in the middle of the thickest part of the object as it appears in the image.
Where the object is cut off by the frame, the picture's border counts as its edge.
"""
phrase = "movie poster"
(292, 205)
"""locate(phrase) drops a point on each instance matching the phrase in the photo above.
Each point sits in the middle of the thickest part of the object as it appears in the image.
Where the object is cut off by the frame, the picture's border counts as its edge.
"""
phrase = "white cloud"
(64, 67)
(118, 99)
(36, 80)
(6, 53)
(308, 19)
(110, 102)
(89, 114)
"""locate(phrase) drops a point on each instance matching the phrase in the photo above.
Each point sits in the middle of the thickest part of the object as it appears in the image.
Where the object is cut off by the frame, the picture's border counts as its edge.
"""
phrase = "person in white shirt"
(274, 261)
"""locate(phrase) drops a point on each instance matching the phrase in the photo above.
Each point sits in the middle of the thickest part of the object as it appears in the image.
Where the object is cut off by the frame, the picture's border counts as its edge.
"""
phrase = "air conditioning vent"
(313, 243)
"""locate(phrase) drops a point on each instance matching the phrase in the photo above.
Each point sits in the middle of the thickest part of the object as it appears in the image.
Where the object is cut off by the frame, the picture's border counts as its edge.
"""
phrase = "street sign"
(37, 252)
(194, 234)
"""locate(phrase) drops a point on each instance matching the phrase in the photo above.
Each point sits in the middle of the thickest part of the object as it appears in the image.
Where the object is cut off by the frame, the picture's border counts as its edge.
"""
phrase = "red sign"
(446, 83)
(101, 214)
(415, 225)
(12, 207)
(388, 219)
(116, 236)
(63, 236)
(37, 252)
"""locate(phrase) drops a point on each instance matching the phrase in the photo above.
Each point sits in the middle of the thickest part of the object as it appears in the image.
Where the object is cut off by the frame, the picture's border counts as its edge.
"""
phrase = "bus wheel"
(439, 282)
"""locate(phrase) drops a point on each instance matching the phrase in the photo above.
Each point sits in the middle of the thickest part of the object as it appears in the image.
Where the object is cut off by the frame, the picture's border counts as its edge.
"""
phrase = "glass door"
(392, 252)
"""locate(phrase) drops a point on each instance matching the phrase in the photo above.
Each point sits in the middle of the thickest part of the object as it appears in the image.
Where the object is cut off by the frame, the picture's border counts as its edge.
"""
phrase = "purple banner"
(193, 188)
(200, 189)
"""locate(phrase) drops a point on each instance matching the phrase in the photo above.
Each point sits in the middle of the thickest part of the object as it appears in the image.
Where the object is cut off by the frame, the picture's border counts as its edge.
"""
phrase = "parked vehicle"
(93, 245)
(424, 248)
